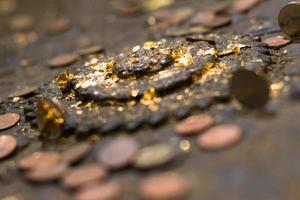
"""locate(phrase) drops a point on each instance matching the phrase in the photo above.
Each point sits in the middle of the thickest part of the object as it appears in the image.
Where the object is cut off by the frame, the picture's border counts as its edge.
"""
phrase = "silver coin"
(289, 18)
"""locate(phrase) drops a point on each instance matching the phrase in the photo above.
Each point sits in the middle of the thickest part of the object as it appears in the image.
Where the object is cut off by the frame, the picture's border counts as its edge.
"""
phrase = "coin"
(154, 156)
(82, 175)
(8, 144)
(163, 186)
(8, 120)
(244, 5)
(90, 50)
(194, 124)
(289, 18)
(210, 19)
(119, 152)
(45, 173)
(39, 159)
(101, 191)
(22, 92)
(59, 26)
(21, 22)
(250, 89)
(62, 60)
(77, 152)
(277, 41)
(220, 137)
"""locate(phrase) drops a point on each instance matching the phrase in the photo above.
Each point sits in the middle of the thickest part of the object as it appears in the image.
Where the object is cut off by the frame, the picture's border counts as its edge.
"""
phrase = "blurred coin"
(62, 60)
(220, 137)
(154, 156)
(250, 89)
(8, 120)
(22, 92)
(277, 41)
(163, 186)
(90, 50)
(21, 22)
(7, 6)
(77, 152)
(82, 175)
(194, 124)
(39, 159)
(59, 25)
(289, 18)
(119, 152)
(101, 191)
(8, 144)
(244, 5)
(210, 19)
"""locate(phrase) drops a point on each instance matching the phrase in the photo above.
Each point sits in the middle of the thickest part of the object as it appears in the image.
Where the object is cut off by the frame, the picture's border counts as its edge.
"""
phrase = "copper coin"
(82, 175)
(194, 124)
(289, 18)
(210, 19)
(163, 186)
(59, 26)
(8, 144)
(22, 92)
(244, 5)
(39, 159)
(77, 152)
(90, 50)
(119, 152)
(154, 156)
(45, 173)
(277, 41)
(8, 120)
(220, 137)
(62, 60)
(102, 191)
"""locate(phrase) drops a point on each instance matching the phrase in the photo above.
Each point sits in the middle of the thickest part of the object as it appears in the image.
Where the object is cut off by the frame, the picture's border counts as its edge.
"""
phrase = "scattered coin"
(45, 173)
(39, 159)
(62, 60)
(277, 41)
(210, 19)
(8, 144)
(21, 22)
(119, 152)
(90, 50)
(244, 5)
(220, 137)
(8, 120)
(101, 191)
(288, 19)
(194, 124)
(163, 186)
(77, 152)
(250, 89)
(82, 175)
(22, 92)
(59, 25)
(154, 156)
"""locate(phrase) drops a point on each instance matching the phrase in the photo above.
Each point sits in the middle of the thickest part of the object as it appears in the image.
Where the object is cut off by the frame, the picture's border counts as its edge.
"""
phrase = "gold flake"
(156, 4)
(276, 88)
(151, 99)
(185, 145)
(150, 45)
(63, 80)
(134, 93)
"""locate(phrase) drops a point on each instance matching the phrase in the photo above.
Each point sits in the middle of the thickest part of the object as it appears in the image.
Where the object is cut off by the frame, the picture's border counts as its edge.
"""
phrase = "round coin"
(289, 18)
(244, 5)
(22, 92)
(194, 124)
(105, 191)
(82, 175)
(62, 60)
(77, 152)
(277, 41)
(8, 144)
(154, 156)
(59, 26)
(8, 120)
(210, 19)
(119, 152)
(163, 186)
(90, 50)
(220, 137)
(39, 159)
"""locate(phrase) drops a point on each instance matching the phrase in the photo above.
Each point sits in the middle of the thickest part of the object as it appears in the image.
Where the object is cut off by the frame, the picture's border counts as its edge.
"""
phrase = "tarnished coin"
(119, 152)
(101, 191)
(77, 152)
(154, 156)
(22, 92)
(8, 144)
(194, 124)
(244, 5)
(220, 137)
(90, 50)
(277, 41)
(45, 173)
(250, 89)
(82, 175)
(62, 60)
(289, 18)
(8, 120)
(163, 186)
(39, 159)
